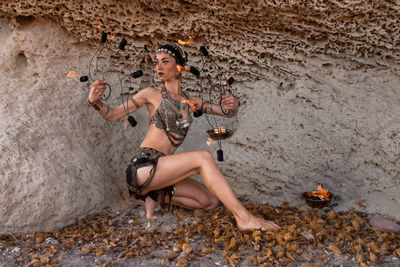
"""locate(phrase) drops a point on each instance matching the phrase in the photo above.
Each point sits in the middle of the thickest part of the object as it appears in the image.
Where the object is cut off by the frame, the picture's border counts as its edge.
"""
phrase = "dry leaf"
(39, 238)
(186, 248)
(245, 238)
(232, 263)
(44, 259)
(182, 263)
(232, 244)
(177, 247)
(306, 257)
(86, 250)
(360, 258)
(373, 257)
(129, 255)
(397, 252)
(172, 256)
(335, 249)
(217, 232)
(290, 256)
(99, 253)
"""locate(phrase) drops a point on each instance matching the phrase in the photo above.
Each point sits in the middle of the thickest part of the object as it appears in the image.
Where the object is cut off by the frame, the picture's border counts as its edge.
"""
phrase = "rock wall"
(318, 82)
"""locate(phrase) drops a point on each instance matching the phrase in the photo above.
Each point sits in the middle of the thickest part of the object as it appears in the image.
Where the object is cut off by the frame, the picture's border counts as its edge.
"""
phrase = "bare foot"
(254, 223)
(150, 205)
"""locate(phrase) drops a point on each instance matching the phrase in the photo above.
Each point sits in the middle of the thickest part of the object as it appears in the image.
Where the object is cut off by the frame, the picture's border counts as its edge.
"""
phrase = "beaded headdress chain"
(174, 50)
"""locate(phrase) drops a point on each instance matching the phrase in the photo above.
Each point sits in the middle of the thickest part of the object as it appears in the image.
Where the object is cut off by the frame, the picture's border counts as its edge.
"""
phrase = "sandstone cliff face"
(318, 80)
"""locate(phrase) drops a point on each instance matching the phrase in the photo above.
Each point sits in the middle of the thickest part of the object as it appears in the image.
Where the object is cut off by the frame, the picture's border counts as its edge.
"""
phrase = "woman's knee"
(205, 156)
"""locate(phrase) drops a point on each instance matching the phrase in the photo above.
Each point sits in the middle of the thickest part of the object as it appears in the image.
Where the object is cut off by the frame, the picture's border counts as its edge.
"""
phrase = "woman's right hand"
(96, 90)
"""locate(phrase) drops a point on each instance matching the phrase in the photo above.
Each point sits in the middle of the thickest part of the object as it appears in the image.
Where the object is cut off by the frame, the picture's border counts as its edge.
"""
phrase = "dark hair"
(176, 51)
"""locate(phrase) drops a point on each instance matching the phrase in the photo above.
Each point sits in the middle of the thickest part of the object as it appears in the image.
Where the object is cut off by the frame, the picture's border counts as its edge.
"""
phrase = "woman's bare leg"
(176, 168)
(192, 194)
(189, 194)
(150, 204)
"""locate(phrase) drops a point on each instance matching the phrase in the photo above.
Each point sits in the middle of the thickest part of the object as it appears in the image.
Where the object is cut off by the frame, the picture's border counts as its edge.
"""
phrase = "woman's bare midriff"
(158, 139)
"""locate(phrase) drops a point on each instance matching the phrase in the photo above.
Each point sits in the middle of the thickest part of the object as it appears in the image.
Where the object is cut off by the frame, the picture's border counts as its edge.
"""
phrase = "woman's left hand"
(229, 102)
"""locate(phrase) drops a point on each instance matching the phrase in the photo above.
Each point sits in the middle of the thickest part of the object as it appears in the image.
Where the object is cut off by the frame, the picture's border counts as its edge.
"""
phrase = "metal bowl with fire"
(219, 134)
(318, 199)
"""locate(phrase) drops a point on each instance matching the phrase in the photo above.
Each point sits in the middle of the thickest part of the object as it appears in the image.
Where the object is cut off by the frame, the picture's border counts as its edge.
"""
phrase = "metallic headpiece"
(174, 50)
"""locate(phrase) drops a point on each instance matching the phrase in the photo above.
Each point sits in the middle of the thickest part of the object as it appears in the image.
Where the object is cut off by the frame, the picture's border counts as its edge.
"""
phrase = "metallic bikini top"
(174, 116)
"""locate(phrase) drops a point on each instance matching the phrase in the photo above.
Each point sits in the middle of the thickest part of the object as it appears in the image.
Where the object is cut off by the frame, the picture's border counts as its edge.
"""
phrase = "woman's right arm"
(112, 114)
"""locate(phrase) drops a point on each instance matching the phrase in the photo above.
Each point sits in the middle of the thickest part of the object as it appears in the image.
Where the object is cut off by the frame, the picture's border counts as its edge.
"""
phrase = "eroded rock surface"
(318, 82)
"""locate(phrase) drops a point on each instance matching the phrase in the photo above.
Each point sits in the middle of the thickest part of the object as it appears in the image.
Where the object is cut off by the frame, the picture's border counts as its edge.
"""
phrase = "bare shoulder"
(149, 92)
(151, 89)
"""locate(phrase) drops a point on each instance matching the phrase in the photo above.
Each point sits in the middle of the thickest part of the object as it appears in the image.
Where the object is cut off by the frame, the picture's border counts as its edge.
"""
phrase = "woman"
(156, 174)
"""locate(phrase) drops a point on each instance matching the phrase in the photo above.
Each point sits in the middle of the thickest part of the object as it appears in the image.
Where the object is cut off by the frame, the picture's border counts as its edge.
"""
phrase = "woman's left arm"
(229, 104)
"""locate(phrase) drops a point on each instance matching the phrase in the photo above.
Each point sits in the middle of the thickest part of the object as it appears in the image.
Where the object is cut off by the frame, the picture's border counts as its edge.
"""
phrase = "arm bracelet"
(136, 103)
(205, 105)
(97, 105)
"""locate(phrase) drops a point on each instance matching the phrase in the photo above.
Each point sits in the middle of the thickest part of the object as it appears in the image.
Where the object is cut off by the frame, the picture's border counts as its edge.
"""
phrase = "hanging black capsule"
(220, 155)
(83, 79)
(132, 121)
(103, 37)
(194, 71)
(122, 44)
(204, 51)
(197, 113)
(137, 74)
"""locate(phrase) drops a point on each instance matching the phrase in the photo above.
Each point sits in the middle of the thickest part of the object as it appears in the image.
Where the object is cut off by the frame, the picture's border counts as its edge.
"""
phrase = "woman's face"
(166, 67)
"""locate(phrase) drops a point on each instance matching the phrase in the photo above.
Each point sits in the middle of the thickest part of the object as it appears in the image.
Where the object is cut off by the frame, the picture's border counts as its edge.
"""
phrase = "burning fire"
(189, 42)
(71, 74)
(322, 193)
(181, 69)
(100, 26)
(221, 129)
(189, 103)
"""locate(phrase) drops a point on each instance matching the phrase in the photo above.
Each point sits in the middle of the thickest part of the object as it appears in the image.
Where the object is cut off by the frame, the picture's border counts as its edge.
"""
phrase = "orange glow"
(181, 69)
(210, 142)
(221, 129)
(189, 103)
(189, 42)
(322, 193)
(99, 27)
(71, 74)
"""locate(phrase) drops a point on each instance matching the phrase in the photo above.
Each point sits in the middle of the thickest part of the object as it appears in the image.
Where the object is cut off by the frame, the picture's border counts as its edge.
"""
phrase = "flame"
(189, 42)
(189, 103)
(221, 129)
(321, 193)
(71, 74)
(210, 141)
(324, 194)
(181, 69)
(100, 26)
